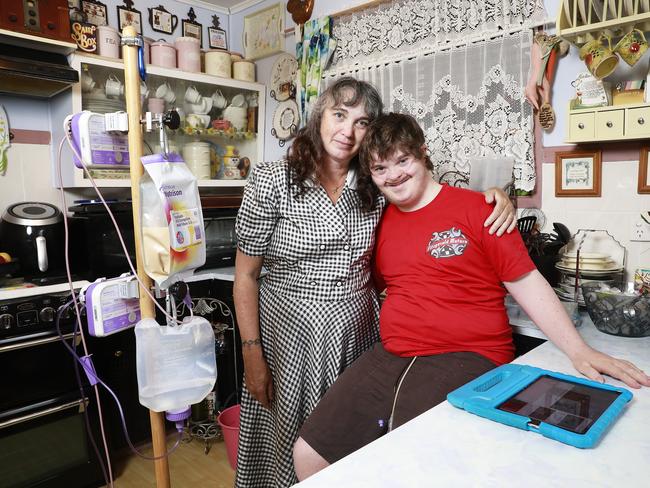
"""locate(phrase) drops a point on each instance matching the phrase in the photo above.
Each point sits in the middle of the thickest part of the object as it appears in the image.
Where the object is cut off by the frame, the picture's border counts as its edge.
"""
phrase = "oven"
(44, 432)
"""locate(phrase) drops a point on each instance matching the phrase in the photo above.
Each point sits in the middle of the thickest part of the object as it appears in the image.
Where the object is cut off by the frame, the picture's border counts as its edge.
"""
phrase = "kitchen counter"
(446, 446)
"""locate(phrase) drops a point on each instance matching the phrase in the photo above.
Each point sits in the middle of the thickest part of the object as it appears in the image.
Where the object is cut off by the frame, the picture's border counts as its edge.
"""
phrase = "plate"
(582, 8)
(629, 7)
(567, 11)
(602, 266)
(286, 119)
(283, 76)
(598, 9)
(588, 272)
(586, 256)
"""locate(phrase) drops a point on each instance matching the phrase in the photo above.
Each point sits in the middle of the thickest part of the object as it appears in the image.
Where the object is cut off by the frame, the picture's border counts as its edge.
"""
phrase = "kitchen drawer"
(581, 127)
(610, 124)
(637, 123)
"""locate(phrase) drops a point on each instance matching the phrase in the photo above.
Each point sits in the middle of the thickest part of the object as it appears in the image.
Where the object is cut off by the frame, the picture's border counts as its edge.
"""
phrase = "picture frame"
(127, 15)
(191, 28)
(264, 32)
(96, 12)
(217, 38)
(161, 20)
(643, 185)
(578, 174)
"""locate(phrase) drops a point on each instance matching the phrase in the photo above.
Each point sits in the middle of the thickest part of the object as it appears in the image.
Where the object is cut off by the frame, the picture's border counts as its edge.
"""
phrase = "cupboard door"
(610, 124)
(581, 127)
(637, 122)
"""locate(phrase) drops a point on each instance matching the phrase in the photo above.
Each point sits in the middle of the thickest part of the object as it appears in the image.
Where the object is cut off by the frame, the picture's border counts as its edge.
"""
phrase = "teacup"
(219, 101)
(144, 91)
(203, 106)
(114, 87)
(192, 95)
(197, 121)
(165, 91)
(600, 59)
(238, 101)
(632, 46)
(87, 82)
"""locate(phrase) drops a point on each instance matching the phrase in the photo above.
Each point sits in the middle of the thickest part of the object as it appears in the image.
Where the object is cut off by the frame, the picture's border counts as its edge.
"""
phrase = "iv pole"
(133, 108)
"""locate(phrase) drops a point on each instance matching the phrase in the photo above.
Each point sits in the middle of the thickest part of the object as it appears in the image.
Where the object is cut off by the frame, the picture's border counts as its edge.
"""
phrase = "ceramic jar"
(188, 54)
(147, 49)
(163, 54)
(235, 57)
(217, 63)
(197, 158)
(243, 70)
(108, 41)
(231, 164)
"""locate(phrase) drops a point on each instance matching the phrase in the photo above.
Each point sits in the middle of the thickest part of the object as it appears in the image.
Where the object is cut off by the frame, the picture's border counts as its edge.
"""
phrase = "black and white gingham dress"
(318, 311)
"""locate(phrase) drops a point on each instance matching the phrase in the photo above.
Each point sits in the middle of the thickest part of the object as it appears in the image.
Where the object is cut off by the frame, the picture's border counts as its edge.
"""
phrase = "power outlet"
(640, 231)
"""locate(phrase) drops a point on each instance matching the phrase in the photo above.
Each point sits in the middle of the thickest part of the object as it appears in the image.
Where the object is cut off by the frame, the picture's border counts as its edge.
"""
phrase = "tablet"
(572, 410)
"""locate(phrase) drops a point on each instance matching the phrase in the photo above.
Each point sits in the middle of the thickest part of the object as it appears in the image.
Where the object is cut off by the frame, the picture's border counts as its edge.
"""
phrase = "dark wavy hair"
(306, 152)
(386, 135)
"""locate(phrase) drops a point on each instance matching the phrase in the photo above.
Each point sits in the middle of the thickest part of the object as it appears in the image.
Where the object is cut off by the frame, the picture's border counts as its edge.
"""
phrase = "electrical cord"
(399, 385)
(109, 390)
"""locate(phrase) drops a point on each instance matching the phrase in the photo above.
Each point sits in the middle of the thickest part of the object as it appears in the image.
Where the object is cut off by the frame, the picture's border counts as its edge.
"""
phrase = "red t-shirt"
(443, 273)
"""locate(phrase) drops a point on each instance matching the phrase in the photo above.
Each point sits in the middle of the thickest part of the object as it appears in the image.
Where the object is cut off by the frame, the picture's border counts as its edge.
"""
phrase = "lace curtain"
(469, 99)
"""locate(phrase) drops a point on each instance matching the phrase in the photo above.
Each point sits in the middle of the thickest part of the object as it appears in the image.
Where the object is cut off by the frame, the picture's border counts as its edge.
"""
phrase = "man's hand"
(259, 381)
(592, 363)
(504, 217)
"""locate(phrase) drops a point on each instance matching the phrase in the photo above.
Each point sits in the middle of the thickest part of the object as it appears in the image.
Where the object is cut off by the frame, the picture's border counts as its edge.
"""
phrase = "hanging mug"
(219, 101)
(114, 87)
(599, 58)
(632, 46)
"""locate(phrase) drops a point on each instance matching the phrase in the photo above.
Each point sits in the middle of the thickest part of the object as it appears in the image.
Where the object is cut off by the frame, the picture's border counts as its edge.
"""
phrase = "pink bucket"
(228, 420)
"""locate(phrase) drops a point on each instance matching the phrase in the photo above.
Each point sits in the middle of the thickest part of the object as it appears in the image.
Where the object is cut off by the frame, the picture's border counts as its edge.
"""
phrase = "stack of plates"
(591, 263)
(104, 105)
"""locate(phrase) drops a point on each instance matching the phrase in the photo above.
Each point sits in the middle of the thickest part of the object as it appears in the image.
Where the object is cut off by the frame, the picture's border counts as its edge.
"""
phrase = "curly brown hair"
(387, 134)
(306, 153)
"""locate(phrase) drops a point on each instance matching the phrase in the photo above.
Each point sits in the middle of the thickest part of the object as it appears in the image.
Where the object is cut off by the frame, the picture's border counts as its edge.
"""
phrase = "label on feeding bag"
(185, 227)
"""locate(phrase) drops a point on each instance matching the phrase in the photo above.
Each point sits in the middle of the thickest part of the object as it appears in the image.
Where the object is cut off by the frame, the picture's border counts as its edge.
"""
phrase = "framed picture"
(161, 20)
(96, 12)
(644, 177)
(578, 174)
(263, 32)
(127, 15)
(191, 28)
(217, 38)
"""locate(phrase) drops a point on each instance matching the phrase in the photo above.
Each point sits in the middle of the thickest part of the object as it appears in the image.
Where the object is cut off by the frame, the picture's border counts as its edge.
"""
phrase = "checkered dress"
(318, 312)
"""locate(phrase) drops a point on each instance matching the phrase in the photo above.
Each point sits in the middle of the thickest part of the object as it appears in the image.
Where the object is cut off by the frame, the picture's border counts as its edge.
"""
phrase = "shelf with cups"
(222, 114)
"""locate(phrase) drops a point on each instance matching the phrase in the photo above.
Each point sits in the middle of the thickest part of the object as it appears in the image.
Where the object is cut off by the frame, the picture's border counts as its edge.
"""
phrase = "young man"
(443, 322)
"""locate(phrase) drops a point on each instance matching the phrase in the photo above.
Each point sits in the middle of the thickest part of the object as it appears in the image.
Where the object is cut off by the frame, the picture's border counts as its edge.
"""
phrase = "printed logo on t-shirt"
(447, 244)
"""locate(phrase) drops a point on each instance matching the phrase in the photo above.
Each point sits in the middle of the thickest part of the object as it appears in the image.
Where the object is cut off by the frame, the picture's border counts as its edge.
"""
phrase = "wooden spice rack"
(578, 18)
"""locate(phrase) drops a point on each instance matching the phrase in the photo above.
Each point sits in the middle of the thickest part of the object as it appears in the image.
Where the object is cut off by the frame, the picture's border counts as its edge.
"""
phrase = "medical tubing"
(77, 310)
(399, 385)
(117, 228)
(117, 401)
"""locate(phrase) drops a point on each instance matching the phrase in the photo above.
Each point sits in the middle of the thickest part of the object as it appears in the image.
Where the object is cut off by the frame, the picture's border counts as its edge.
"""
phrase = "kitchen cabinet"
(611, 123)
(91, 93)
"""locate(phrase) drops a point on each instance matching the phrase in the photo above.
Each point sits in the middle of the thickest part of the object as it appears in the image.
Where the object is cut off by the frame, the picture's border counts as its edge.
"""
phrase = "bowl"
(616, 312)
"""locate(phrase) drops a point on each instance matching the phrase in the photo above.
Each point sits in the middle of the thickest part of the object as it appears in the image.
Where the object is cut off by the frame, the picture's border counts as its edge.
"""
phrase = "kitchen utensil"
(563, 234)
(33, 232)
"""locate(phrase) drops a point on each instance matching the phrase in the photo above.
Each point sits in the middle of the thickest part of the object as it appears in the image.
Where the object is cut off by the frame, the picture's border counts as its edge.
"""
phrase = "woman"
(315, 310)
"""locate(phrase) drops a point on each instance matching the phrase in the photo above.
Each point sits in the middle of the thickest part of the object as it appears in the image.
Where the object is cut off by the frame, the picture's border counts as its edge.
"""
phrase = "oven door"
(45, 444)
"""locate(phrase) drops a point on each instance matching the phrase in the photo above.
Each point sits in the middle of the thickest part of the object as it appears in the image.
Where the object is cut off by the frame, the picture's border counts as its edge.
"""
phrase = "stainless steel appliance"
(44, 437)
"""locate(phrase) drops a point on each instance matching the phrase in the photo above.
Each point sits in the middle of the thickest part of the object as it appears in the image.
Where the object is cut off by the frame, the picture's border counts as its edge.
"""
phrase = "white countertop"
(448, 447)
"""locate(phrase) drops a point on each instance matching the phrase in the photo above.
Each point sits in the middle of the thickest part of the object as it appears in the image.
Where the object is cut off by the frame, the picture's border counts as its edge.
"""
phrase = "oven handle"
(38, 342)
(82, 403)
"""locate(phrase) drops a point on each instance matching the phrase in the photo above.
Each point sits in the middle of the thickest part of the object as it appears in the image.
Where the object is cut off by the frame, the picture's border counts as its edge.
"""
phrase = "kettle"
(33, 232)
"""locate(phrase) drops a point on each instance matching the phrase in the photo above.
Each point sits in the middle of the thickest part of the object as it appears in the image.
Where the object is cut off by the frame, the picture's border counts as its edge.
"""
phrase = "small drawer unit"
(637, 122)
(581, 126)
(610, 124)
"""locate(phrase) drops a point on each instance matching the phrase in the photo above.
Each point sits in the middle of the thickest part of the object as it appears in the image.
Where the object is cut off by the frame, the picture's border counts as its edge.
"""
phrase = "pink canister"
(188, 54)
(147, 49)
(163, 54)
(108, 41)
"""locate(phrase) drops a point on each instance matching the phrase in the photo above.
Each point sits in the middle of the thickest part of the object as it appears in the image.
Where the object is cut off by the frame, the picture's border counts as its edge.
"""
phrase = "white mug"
(197, 121)
(114, 87)
(87, 82)
(144, 91)
(165, 91)
(218, 100)
(192, 95)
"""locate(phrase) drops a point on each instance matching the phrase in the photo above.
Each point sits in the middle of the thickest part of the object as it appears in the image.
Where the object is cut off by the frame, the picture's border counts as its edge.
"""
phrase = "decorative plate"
(286, 119)
(283, 75)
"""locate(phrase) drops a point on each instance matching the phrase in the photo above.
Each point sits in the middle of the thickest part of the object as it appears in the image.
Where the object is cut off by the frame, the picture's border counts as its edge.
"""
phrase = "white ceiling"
(225, 6)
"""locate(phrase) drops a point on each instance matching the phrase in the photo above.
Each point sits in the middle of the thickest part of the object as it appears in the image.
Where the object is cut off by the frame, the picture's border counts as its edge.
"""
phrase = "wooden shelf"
(612, 16)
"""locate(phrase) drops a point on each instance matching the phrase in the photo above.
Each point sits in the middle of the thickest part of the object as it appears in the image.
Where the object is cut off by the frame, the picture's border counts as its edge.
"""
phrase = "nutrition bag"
(173, 243)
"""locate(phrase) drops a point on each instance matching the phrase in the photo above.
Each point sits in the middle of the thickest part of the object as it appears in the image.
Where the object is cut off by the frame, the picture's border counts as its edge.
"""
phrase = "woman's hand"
(592, 363)
(259, 381)
(504, 217)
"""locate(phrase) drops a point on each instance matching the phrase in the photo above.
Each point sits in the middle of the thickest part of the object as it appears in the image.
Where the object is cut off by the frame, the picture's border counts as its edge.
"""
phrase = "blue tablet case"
(483, 395)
